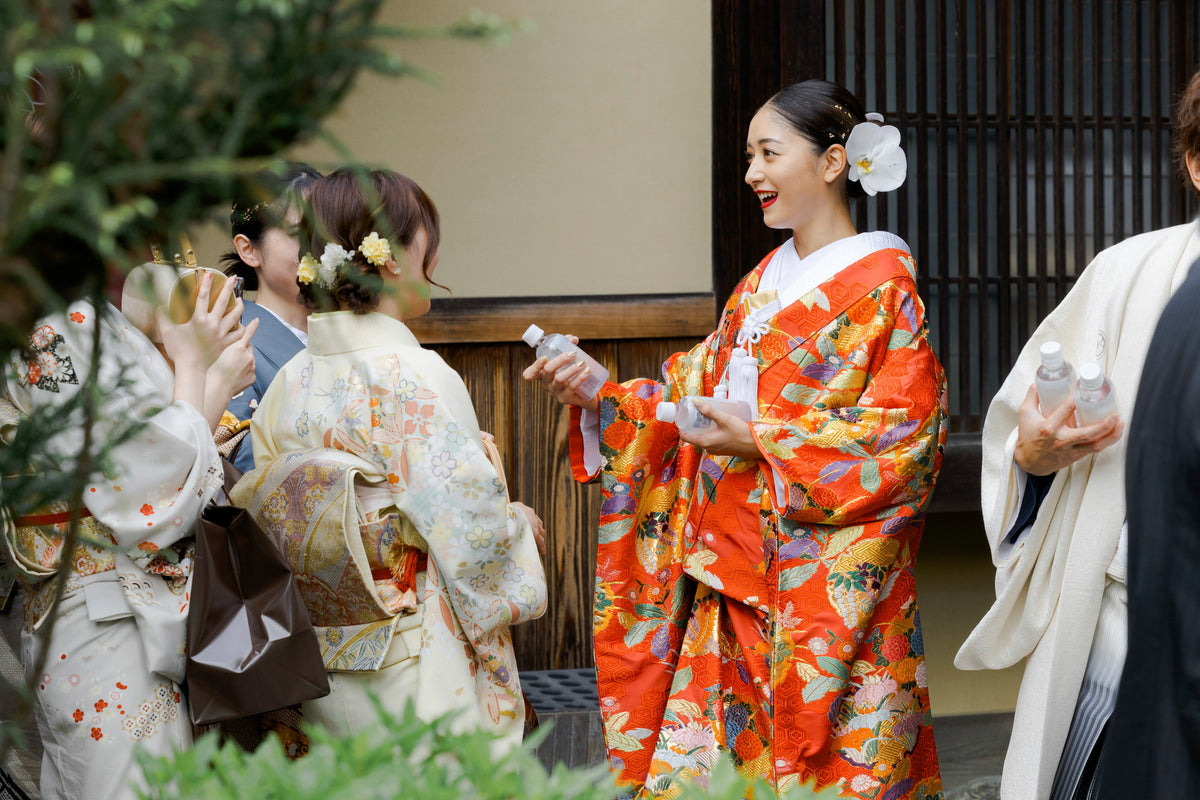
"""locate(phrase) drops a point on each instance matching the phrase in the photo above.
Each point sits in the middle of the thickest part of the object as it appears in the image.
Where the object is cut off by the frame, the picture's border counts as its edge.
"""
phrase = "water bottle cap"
(665, 412)
(1091, 376)
(1051, 354)
(532, 335)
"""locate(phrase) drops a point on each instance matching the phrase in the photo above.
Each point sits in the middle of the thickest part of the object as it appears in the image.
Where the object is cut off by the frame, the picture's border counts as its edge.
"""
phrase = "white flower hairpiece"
(334, 256)
(324, 272)
(876, 160)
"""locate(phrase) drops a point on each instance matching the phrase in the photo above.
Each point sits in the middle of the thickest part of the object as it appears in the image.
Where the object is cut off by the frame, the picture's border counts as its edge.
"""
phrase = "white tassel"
(743, 377)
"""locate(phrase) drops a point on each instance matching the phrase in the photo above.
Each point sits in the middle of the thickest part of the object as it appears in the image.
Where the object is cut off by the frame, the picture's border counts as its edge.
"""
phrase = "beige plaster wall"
(573, 160)
(955, 586)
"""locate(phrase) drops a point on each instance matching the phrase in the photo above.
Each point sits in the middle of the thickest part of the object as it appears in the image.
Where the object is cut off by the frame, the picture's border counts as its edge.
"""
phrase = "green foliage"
(403, 758)
(123, 121)
(727, 783)
(406, 758)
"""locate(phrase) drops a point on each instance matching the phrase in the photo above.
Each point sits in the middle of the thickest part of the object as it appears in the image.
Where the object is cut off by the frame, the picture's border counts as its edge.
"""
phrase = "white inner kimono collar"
(790, 277)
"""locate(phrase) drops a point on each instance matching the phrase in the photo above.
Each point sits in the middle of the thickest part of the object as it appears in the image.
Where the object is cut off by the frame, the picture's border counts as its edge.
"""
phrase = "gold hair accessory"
(247, 214)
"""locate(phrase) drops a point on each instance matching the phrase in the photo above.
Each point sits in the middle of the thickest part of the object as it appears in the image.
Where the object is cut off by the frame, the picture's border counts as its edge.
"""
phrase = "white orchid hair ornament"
(876, 160)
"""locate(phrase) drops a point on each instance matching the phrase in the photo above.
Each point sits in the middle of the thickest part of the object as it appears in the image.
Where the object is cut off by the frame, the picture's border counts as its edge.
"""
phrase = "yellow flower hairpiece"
(309, 269)
(376, 249)
(324, 271)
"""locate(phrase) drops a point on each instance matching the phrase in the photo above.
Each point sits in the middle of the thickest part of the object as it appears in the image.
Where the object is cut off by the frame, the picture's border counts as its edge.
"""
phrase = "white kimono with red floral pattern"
(116, 655)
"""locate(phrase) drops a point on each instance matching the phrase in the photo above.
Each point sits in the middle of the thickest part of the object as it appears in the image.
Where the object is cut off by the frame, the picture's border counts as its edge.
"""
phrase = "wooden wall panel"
(531, 431)
(643, 358)
(542, 478)
(485, 370)
(628, 317)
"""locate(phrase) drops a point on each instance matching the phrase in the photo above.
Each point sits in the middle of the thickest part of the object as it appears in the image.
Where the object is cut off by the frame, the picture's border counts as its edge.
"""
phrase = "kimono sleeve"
(625, 421)
(1002, 482)
(483, 548)
(159, 466)
(835, 457)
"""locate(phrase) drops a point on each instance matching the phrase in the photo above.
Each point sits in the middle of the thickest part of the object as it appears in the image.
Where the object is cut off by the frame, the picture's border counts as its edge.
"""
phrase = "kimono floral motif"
(47, 365)
(389, 420)
(768, 607)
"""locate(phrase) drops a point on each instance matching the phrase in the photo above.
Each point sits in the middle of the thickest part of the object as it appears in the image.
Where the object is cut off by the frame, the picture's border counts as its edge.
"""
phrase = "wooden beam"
(482, 320)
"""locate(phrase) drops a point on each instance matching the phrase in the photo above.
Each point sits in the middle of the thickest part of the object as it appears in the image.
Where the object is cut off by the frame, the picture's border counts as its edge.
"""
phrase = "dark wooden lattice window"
(1037, 134)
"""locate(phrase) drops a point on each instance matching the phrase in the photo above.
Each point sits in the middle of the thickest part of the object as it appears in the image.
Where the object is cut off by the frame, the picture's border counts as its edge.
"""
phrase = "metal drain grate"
(561, 690)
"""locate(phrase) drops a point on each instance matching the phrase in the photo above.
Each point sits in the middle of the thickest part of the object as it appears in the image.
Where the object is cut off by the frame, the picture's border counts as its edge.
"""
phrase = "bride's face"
(789, 176)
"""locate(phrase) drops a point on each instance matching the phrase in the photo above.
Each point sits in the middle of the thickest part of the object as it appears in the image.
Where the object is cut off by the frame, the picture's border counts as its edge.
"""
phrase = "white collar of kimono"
(333, 332)
(792, 277)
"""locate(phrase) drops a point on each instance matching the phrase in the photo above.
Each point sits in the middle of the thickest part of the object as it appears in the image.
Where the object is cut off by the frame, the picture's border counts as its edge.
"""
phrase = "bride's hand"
(730, 435)
(563, 379)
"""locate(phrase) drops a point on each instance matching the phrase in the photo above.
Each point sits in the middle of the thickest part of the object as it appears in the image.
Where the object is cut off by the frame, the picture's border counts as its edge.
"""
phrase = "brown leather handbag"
(251, 646)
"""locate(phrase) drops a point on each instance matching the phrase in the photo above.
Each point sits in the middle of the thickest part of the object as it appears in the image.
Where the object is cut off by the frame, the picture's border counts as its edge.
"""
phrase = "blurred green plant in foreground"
(407, 758)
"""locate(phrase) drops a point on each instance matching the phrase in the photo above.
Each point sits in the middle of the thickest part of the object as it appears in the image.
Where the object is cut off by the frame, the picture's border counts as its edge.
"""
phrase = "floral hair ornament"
(323, 272)
(375, 249)
(876, 160)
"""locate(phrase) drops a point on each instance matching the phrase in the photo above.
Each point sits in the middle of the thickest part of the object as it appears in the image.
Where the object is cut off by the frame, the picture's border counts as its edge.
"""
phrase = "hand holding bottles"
(721, 427)
(1048, 443)
(690, 419)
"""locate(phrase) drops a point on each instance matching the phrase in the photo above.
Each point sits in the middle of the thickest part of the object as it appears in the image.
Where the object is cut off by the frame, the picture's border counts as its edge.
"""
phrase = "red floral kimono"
(768, 607)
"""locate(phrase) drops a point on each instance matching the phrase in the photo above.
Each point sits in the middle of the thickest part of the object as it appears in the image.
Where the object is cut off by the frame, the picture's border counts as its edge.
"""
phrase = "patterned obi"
(358, 562)
(33, 545)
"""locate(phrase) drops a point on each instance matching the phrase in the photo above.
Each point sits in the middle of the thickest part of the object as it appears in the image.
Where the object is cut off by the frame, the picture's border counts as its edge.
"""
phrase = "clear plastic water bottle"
(1055, 378)
(1095, 399)
(688, 418)
(553, 345)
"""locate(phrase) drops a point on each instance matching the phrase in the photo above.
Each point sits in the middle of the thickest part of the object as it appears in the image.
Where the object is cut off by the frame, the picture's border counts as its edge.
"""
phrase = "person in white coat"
(1054, 507)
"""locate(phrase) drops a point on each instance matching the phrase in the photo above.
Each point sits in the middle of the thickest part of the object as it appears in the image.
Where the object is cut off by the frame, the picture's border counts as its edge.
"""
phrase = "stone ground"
(971, 751)
(970, 747)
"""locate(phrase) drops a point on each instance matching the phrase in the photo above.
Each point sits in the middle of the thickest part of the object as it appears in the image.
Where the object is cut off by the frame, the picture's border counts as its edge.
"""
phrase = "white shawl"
(1049, 586)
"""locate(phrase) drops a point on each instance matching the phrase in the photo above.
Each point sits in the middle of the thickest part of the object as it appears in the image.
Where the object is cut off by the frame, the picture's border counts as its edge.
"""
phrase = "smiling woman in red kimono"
(755, 587)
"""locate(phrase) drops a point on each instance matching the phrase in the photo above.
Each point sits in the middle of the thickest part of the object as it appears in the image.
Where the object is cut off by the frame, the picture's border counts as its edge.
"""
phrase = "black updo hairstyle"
(263, 203)
(822, 112)
(344, 208)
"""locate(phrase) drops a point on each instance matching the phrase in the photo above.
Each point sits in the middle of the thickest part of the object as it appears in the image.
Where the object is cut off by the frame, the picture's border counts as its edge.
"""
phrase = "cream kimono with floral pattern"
(368, 415)
(116, 657)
